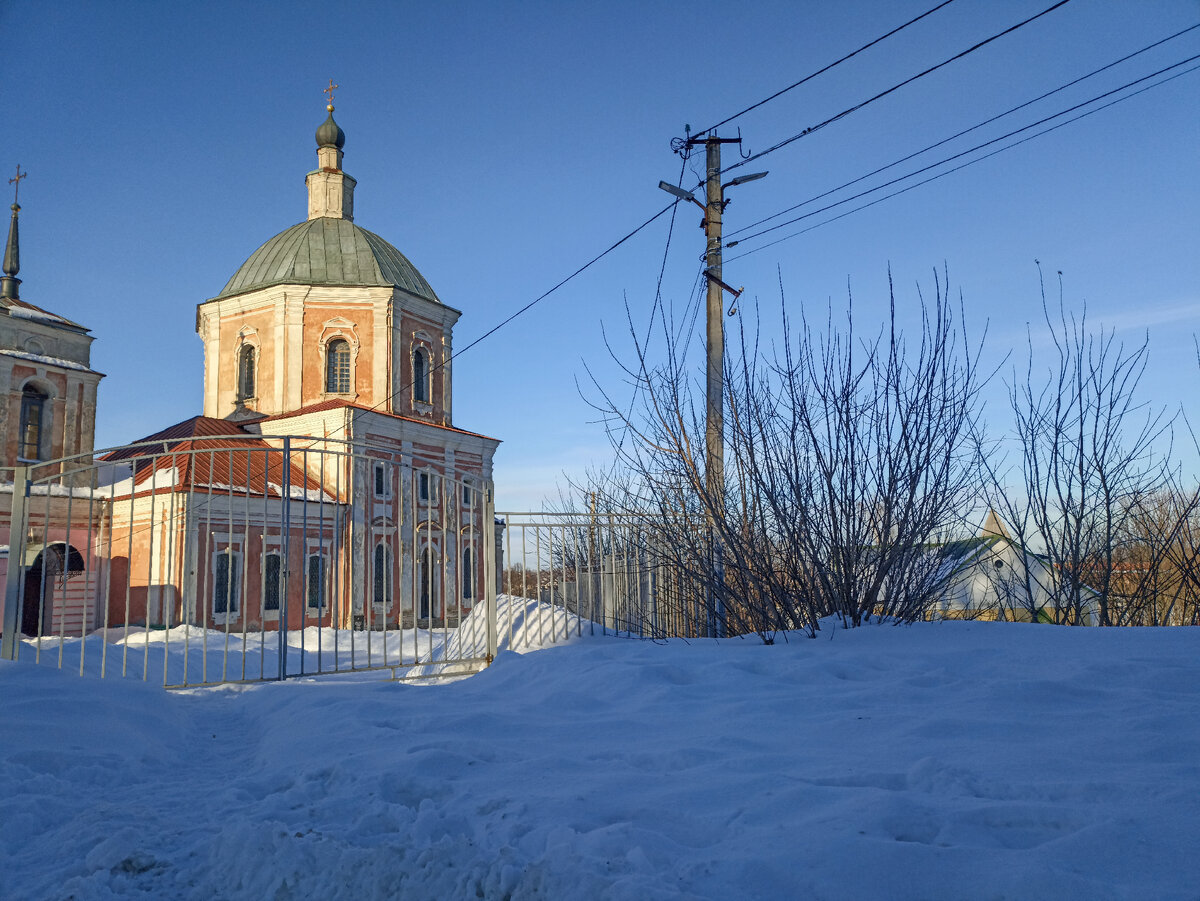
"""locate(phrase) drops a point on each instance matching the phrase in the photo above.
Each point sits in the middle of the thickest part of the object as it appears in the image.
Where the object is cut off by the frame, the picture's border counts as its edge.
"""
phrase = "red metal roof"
(196, 426)
(215, 456)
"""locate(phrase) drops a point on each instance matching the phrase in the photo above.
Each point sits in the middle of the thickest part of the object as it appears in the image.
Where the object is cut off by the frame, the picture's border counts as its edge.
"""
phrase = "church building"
(325, 482)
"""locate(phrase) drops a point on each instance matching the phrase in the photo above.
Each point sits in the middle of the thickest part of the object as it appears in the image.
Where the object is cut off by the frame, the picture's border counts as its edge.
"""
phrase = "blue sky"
(500, 146)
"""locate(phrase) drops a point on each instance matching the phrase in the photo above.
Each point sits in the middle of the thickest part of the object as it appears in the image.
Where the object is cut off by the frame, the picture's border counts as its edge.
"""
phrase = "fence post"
(285, 528)
(489, 582)
(16, 560)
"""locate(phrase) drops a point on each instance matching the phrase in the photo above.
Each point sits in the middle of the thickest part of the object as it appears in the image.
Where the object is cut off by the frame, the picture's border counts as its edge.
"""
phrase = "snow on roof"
(20, 309)
(47, 360)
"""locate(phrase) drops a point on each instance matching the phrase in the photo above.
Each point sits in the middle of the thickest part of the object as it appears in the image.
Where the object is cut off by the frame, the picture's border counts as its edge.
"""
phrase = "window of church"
(382, 594)
(225, 597)
(316, 581)
(337, 367)
(424, 490)
(246, 372)
(468, 573)
(420, 376)
(427, 588)
(383, 485)
(271, 575)
(33, 415)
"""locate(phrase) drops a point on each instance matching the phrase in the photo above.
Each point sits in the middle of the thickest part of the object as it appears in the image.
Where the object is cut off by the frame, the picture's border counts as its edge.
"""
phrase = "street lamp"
(680, 193)
(742, 179)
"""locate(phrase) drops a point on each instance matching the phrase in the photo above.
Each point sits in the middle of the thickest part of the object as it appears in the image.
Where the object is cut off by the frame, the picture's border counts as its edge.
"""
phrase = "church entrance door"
(35, 609)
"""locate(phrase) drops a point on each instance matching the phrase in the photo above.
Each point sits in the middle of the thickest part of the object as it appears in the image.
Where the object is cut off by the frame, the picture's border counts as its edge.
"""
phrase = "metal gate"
(238, 558)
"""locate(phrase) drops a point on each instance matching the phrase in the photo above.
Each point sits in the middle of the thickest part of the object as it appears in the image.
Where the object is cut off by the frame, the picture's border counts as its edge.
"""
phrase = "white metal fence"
(211, 559)
(239, 558)
(607, 573)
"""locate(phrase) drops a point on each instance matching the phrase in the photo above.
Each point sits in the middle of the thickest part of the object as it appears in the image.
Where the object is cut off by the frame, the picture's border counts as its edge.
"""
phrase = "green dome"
(328, 251)
(330, 134)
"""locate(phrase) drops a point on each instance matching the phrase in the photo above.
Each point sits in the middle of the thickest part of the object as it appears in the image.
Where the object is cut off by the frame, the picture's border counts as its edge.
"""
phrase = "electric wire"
(967, 163)
(998, 116)
(846, 112)
(942, 162)
(822, 71)
(504, 322)
(653, 311)
(441, 364)
(693, 307)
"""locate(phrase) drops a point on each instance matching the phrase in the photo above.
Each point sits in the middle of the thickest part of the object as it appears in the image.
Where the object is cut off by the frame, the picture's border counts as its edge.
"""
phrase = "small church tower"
(47, 384)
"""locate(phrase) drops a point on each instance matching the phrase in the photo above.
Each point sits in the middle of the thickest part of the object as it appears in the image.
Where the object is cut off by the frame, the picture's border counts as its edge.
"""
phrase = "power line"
(963, 153)
(653, 310)
(822, 71)
(588, 265)
(978, 159)
(442, 363)
(965, 131)
(892, 89)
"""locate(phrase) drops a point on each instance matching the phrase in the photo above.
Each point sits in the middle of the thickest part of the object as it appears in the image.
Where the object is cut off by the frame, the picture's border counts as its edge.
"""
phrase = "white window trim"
(431, 545)
(244, 341)
(425, 350)
(432, 479)
(382, 540)
(387, 482)
(333, 330)
(45, 427)
(421, 340)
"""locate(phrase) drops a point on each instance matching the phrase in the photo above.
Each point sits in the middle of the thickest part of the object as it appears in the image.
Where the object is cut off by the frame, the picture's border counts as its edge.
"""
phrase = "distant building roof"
(20, 309)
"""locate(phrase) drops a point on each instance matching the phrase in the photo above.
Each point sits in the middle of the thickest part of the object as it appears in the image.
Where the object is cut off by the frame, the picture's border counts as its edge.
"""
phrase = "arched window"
(468, 573)
(382, 595)
(420, 376)
(33, 419)
(427, 587)
(337, 367)
(245, 372)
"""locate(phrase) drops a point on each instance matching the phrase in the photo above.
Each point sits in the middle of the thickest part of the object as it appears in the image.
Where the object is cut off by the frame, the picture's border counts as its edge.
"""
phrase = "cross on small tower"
(16, 182)
(329, 90)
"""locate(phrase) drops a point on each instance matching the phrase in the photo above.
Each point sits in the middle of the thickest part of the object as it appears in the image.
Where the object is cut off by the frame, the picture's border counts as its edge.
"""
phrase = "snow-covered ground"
(950, 760)
(188, 656)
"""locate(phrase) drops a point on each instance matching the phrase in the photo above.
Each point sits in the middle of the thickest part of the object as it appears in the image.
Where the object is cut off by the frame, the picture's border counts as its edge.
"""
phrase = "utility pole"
(714, 421)
(714, 428)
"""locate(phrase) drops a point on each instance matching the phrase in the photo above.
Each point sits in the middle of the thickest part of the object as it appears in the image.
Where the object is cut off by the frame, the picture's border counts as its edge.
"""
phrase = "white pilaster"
(293, 315)
(380, 331)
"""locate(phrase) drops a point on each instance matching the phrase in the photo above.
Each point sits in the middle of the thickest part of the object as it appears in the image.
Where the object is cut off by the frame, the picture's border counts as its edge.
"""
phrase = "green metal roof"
(328, 251)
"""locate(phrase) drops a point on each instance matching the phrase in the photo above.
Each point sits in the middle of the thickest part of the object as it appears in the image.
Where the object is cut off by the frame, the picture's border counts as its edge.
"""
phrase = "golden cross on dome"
(16, 182)
(329, 90)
